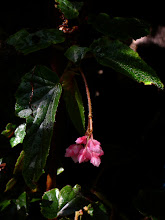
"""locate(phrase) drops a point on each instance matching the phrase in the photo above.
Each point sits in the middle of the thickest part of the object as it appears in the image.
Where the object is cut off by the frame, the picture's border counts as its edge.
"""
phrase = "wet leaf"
(122, 59)
(26, 42)
(37, 100)
(69, 9)
(60, 203)
(49, 205)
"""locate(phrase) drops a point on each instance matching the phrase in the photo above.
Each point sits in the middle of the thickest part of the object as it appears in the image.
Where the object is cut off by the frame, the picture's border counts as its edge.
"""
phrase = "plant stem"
(77, 214)
(90, 122)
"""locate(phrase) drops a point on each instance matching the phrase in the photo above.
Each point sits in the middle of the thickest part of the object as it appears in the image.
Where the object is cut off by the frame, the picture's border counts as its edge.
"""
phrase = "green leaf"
(97, 211)
(76, 53)
(73, 100)
(4, 204)
(9, 130)
(59, 203)
(19, 163)
(37, 100)
(21, 201)
(60, 170)
(123, 59)
(118, 27)
(19, 135)
(49, 205)
(69, 9)
(10, 184)
(26, 42)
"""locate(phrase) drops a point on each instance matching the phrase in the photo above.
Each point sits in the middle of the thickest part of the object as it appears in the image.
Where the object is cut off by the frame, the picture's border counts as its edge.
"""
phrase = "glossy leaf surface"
(122, 59)
(21, 201)
(76, 53)
(19, 135)
(59, 203)
(26, 42)
(37, 100)
(69, 9)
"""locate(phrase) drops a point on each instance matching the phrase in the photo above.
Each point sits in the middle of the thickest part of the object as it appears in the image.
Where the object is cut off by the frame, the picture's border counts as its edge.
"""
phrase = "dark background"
(129, 118)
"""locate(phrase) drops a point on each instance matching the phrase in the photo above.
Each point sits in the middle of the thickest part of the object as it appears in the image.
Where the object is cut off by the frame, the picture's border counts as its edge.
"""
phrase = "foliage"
(48, 99)
(26, 42)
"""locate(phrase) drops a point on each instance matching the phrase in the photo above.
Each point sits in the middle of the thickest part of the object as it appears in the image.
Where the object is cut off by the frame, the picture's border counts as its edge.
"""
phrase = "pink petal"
(95, 161)
(73, 151)
(81, 140)
(84, 155)
(69, 151)
(95, 147)
(95, 142)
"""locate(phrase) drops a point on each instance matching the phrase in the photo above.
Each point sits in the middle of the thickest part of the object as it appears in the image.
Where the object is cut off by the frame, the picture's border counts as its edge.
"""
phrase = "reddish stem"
(90, 123)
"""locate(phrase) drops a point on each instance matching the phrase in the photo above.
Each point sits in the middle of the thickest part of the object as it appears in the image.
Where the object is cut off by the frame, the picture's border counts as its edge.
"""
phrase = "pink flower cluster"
(90, 151)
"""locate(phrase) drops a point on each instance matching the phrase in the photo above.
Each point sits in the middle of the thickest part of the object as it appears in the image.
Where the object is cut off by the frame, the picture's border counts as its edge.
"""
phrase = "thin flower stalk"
(86, 147)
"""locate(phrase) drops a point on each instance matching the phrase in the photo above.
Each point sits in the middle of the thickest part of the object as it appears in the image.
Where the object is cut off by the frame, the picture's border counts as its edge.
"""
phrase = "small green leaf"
(37, 100)
(69, 9)
(97, 211)
(118, 27)
(19, 163)
(26, 42)
(4, 204)
(21, 201)
(60, 203)
(60, 170)
(11, 183)
(76, 53)
(9, 130)
(73, 100)
(123, 59)
(19, 135)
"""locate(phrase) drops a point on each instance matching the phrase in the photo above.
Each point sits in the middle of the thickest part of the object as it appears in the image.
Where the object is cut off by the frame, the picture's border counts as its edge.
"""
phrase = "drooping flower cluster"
(84, 150)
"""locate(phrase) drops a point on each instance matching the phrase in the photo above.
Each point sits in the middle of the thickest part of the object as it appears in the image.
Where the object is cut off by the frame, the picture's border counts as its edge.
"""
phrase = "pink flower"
(84, 155)
(91, 151)
(81, 140)
(95, 147)
(95, 160)
(73, 151)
